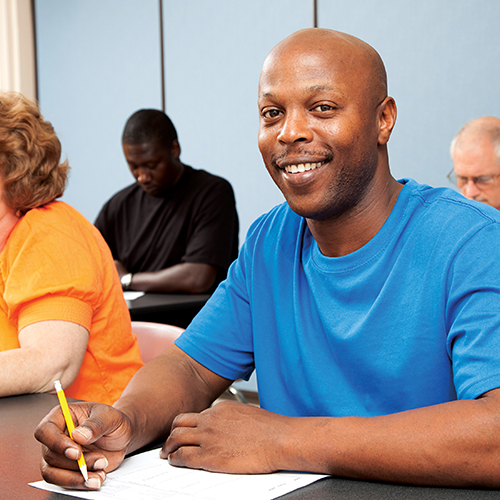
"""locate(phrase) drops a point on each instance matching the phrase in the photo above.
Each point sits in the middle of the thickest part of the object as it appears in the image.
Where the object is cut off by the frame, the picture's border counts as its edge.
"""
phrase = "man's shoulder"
(445, 212)
(280, 220)
(117, 205)
(204, 178)
(128, 192)
(447, 202)
(126, 197)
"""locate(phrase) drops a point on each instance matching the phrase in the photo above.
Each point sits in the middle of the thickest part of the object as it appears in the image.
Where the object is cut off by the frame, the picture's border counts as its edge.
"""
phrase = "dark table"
(169, 308)
(20, 460)
(20, 452)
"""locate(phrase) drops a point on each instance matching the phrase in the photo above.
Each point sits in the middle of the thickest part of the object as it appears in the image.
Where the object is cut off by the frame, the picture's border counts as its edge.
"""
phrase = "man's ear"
(175, 149)
(387, 119)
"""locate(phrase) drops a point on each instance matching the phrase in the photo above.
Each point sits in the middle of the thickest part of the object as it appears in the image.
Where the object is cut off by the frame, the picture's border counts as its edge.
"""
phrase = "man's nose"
(470, 190)
(143, 176)
(295, 127)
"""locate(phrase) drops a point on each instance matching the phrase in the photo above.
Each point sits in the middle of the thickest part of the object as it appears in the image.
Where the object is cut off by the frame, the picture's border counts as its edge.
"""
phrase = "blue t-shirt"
(411, 319)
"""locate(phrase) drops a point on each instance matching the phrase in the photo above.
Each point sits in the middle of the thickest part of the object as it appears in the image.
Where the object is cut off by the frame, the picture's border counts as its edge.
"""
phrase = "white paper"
(131, 295)
(147, 477)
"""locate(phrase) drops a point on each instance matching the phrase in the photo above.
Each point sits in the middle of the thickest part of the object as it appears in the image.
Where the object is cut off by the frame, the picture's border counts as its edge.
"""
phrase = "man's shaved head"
(355, 55)
(325, 119)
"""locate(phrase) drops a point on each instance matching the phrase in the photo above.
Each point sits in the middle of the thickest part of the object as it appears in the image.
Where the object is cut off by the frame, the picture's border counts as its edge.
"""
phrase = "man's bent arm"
(451, 444)
(186, 277)
(168, 385)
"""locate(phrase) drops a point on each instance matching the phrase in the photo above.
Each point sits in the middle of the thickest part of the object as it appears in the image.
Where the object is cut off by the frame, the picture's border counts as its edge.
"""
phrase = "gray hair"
(487, 126)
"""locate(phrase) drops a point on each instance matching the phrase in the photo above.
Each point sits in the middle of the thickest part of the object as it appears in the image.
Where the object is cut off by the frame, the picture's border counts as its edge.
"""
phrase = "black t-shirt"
(195, 221)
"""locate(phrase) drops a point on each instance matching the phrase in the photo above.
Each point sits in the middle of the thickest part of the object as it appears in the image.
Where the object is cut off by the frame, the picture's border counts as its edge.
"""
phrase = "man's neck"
(344, 235)
(181, 168)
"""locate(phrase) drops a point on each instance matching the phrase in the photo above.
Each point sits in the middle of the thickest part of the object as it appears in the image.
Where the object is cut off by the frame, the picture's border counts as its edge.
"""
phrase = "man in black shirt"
(176, 228)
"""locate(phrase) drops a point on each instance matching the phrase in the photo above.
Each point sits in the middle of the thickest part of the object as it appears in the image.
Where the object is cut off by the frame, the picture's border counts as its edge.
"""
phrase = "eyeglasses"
(481, 181)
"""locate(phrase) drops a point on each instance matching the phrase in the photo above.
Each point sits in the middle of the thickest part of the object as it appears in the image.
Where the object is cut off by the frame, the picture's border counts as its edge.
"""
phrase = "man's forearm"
(453, 444)
(186, 277)
(166, 386)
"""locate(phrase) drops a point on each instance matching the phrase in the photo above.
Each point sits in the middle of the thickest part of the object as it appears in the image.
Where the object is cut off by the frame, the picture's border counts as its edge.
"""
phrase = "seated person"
(176, 228)
(62, 311)
(368, 307)
(475, 152)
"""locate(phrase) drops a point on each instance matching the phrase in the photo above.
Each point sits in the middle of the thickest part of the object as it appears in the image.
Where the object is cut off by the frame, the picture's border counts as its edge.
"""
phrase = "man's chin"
(481, 200)
(150, 190)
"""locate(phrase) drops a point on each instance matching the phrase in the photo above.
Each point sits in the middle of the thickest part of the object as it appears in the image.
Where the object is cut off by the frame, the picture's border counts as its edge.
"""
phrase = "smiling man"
(369, 308)
(176, 228)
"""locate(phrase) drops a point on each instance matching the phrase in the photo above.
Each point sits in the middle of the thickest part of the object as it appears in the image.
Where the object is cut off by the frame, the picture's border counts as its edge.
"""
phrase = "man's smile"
(301, 167)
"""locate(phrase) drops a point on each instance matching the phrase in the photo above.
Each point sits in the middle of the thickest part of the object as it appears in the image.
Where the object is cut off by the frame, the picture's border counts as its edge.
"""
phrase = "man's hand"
(185, 277)
(229, 437)
(102, 432)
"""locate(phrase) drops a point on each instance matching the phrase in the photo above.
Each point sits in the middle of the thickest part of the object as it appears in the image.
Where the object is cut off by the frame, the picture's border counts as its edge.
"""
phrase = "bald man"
(369, 308)
(475, 151)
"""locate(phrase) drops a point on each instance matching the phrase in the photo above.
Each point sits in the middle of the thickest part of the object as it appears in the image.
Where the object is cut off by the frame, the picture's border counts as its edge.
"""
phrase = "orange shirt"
(56, 266)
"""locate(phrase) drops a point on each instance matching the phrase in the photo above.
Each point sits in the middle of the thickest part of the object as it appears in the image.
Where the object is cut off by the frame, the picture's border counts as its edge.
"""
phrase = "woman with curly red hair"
(62, 311)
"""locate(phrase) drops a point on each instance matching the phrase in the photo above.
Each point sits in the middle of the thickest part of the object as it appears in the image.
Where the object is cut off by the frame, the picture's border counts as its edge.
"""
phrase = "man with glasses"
(475, 151)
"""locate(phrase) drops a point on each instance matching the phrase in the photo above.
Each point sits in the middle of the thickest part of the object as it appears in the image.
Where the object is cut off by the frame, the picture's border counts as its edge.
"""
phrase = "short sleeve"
(221, 336)
(51, 272)
(473, 315)
(215, 236)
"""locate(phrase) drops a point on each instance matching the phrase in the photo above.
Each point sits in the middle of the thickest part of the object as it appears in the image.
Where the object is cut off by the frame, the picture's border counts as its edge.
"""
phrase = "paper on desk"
(131, 295)
(147, 477)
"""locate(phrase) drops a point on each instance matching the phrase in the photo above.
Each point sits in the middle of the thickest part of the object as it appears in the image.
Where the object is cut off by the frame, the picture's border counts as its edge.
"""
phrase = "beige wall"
(17, 50)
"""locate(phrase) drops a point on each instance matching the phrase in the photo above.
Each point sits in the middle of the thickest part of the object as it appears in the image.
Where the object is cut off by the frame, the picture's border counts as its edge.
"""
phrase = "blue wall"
(214, 51)
(442, 59)
(98, 61)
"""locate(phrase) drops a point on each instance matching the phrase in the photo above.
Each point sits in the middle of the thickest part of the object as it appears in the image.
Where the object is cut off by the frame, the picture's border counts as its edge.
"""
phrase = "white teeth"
(301, 167)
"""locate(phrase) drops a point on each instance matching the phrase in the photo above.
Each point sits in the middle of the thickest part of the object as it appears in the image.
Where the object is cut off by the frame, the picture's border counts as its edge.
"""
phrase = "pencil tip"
(83, 468)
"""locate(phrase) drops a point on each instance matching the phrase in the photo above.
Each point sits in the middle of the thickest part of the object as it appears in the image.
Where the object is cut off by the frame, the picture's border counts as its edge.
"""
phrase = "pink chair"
(154, 338)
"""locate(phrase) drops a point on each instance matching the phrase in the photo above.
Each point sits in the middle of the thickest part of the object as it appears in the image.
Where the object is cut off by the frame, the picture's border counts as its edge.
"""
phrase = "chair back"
(154, 338)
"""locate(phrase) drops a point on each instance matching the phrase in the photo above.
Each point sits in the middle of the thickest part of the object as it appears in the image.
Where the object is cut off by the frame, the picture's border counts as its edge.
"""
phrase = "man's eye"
(271, 113)
(484, 179)
(324, 107)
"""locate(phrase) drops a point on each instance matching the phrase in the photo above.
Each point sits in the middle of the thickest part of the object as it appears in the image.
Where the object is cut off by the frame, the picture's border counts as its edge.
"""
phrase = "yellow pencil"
(69, 424)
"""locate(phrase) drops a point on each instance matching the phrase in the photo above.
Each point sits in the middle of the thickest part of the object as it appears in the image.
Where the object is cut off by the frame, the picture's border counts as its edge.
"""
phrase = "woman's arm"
(50, 350)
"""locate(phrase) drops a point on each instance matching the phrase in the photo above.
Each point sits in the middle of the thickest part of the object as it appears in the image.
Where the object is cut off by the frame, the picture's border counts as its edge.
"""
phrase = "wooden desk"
(20, 464)
(169, 308)
(20, 452)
